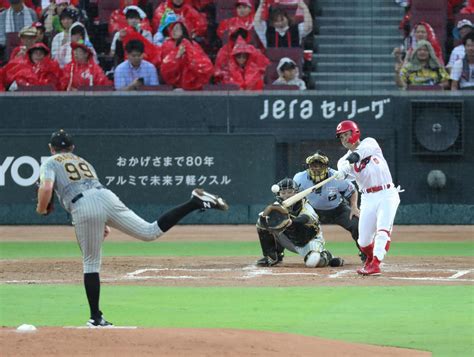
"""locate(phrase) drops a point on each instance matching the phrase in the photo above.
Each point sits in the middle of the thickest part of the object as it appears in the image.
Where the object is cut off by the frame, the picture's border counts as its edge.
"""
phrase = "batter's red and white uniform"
(379, 199)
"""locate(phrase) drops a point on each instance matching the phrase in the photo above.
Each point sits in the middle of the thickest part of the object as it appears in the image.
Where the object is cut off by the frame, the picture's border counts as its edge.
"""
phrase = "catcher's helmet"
(317, 172)
(288, 184)
(61, 140)
(348, 125)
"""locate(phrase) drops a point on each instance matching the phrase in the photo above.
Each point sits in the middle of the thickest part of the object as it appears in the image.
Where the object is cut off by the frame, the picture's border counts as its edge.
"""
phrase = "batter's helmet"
(348, 125)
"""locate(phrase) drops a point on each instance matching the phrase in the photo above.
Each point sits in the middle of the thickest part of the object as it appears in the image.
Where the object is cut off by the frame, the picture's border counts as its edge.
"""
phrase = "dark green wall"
(255, 139)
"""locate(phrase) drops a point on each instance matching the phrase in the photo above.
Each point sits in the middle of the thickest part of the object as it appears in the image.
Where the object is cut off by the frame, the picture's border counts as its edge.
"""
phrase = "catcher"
(296, 229)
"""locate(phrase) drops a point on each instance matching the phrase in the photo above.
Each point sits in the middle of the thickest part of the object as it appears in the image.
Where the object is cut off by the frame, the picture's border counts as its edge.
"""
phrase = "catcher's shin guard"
(270, 247)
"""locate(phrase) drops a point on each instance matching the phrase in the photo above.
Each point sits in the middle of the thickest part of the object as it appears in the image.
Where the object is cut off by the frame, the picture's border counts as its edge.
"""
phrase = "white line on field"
(340, 273)
(102, 327)
(158, 277)
(431, 279)
(252, 271)
(460, 273)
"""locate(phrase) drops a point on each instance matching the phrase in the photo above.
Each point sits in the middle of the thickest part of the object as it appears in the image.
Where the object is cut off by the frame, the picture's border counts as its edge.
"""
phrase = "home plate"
(104, 327)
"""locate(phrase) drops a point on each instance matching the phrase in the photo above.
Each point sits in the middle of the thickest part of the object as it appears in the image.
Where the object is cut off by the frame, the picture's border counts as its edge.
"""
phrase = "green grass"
(433, 318)
(27, 250)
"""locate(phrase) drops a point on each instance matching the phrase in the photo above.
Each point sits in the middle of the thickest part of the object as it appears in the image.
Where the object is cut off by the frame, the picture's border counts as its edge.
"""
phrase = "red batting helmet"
(348, 125)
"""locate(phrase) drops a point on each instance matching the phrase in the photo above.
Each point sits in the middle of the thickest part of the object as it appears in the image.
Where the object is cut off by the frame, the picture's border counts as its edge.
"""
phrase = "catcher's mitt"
(50, 207)
(275, 217)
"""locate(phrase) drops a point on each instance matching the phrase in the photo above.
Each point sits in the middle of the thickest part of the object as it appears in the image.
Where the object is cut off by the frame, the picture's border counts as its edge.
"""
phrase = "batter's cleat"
(208, 200)
(372, 269)
(98, 322)
(363, 270)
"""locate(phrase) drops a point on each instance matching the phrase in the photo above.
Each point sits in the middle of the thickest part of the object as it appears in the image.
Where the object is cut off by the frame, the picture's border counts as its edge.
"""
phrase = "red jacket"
(118, 21)
(77, 75)
(200, 4)
(2, 85)
(469, 8)
(195, 21)
(191, 71)
(225, 53)
(249, 77)
(15, 52)
(27, 73)
(235, 23)
(152, 53)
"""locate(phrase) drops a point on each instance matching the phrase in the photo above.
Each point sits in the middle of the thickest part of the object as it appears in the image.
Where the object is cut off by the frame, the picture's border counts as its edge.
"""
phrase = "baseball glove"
(275, 217)
(50, 207)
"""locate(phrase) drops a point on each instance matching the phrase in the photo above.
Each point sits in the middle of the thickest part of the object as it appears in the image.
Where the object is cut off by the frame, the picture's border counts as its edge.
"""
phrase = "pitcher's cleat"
(98, 322)
(208, 200)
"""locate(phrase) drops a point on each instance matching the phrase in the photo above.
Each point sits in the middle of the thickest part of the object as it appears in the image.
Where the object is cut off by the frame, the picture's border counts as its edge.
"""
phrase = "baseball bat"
(300, 195)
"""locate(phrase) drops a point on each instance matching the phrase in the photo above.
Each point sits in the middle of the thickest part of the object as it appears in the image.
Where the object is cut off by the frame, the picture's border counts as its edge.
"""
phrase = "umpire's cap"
(61, 140)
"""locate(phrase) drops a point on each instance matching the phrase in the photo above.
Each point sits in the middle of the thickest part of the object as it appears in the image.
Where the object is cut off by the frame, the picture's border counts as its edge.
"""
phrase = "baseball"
(275, 188)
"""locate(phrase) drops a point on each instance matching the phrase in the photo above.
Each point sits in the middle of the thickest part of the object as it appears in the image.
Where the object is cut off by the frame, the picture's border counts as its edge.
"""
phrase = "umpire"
(331, 200)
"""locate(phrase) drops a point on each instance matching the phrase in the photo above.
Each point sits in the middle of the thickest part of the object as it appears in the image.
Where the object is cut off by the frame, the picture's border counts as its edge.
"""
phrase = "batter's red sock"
(387, 246)
(369, 252)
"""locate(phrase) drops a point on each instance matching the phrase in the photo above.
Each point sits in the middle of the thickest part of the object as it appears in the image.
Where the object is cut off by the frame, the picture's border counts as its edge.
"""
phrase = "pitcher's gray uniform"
(92, 206)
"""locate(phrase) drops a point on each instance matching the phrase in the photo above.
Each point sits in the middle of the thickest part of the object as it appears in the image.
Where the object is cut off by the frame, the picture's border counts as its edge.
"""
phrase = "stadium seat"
(425, 88)
(96, 88)
(224, 9)
(46, 88)
(105, 8)
(155, 3)
(280, 87)
(435, 13)
(160, 88)
(12, 41)
(221, 87)
(459, 17)
(275, 54)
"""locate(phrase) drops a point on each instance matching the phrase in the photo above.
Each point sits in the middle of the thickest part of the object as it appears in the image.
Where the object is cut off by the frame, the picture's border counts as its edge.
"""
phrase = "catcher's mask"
(287, 188)
(317, 166)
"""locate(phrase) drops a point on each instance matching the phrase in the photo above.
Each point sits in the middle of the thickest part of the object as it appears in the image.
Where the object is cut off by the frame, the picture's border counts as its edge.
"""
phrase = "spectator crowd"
(420, 61)
(70, 45)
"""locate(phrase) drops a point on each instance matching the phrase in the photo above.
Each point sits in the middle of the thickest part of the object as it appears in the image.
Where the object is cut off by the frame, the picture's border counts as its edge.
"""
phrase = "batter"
(365, 162)
(93, 207)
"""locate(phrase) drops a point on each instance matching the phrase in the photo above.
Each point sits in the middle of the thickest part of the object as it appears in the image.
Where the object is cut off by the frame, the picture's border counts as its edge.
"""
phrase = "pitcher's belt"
(80, 195)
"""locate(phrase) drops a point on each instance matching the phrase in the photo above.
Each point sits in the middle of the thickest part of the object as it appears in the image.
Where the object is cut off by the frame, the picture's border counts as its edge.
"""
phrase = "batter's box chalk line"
(102, 327)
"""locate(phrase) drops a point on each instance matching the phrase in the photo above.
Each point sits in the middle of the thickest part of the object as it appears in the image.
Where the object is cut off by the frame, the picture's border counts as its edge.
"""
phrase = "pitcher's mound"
(51, 341)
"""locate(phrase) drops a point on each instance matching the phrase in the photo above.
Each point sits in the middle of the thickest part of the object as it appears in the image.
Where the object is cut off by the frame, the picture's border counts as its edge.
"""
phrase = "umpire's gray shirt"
(330, 195)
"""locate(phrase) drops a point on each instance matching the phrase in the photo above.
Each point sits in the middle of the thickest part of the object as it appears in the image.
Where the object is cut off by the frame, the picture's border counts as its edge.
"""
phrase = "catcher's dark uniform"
(303, 236)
